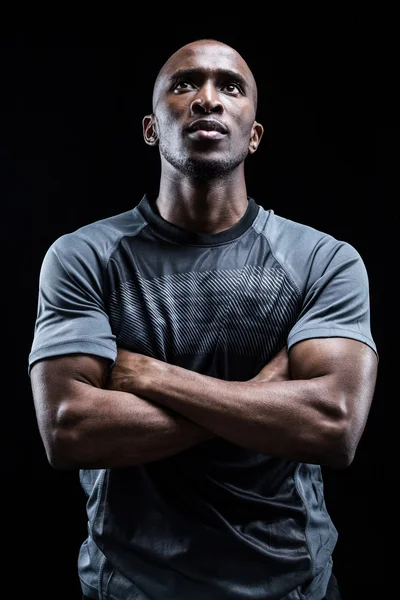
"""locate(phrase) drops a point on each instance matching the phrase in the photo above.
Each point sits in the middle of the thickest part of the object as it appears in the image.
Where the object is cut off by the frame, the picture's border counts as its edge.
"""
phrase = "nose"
(207, 100)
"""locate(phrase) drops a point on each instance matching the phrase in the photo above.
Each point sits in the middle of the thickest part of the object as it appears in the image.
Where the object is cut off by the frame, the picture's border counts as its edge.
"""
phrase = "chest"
(246, 311)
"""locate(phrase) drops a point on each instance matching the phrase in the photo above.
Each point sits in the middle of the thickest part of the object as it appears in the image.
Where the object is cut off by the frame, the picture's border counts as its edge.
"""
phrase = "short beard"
(202, 170)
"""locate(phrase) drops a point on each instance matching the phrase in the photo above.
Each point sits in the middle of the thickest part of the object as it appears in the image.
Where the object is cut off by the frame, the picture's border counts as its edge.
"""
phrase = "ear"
(149, 130)
(256, 134)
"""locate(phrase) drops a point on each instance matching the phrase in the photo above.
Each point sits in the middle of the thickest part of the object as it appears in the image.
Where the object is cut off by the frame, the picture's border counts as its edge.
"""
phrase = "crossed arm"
(308, 405)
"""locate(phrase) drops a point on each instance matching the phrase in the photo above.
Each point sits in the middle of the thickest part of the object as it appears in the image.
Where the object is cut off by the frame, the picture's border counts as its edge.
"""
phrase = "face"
(204, 106)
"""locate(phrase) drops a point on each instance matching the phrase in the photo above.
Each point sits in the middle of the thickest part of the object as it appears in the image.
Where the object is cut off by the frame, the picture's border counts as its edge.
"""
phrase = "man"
(199, 358)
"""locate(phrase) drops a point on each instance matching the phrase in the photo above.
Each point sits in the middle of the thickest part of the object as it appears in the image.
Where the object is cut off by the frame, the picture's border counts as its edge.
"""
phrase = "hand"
(129, 373)
(277, 369)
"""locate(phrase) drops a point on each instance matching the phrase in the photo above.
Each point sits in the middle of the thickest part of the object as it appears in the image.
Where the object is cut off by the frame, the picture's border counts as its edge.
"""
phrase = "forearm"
(286, 418)
(266, 417)
(105, 428)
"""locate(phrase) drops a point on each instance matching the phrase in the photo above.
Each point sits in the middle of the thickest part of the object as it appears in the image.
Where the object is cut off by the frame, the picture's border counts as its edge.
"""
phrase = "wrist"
(142, 370)
(131, 373)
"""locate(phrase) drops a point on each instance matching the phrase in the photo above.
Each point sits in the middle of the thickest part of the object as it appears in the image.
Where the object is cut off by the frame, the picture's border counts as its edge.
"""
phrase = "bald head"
(205, 54)
(204, 109)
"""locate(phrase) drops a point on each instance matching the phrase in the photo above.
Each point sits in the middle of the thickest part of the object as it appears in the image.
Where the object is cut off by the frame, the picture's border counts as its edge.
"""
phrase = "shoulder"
(285, 235)
(302, 250)
(94, 242)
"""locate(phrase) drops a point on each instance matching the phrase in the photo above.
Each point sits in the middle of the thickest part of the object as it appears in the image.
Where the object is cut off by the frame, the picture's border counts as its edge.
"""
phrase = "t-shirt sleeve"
(336, 300)
(71, 315)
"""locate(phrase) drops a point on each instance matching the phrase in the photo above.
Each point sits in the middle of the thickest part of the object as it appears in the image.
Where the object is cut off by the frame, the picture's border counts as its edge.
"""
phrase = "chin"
(206, 168)
(204, 165)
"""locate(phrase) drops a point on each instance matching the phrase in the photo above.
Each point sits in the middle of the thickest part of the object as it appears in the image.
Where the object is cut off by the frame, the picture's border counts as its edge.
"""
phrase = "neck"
(206, 207)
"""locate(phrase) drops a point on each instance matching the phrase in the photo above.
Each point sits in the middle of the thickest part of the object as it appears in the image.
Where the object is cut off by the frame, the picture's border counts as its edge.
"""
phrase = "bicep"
(348, 369)
(334, 355)
(59, 378)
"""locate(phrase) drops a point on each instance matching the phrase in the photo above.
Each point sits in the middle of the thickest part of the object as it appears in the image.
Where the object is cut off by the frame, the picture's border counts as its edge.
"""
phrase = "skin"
(310, 404)
(205, 178)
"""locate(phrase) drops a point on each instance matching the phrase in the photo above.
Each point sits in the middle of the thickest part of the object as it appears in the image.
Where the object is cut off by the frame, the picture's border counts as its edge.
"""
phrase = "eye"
(231, 88)
(183, 84)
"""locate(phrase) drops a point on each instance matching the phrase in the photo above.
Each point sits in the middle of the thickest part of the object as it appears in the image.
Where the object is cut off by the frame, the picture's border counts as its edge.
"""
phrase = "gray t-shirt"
(216, 521)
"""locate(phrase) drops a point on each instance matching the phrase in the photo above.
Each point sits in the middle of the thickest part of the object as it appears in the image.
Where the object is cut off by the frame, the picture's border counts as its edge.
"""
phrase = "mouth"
(207, 129)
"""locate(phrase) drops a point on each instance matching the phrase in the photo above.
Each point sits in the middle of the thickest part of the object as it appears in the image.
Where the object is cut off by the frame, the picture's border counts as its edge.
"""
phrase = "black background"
(74, 91)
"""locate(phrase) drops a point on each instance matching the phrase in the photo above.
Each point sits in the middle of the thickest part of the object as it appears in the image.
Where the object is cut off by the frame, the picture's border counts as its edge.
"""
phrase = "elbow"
(340, 445)
(62, 441)
(60, 450)
(339, 439)
(340, 460)
(345, 451)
